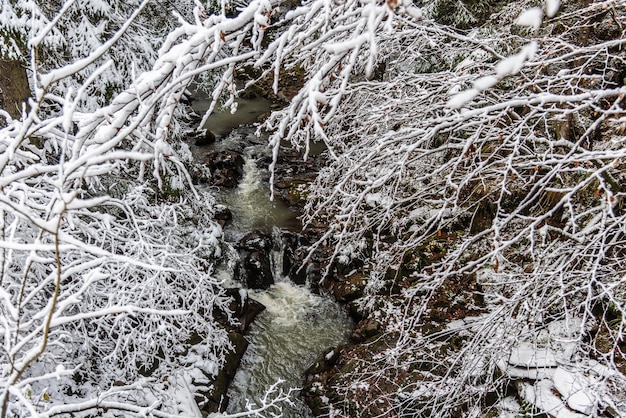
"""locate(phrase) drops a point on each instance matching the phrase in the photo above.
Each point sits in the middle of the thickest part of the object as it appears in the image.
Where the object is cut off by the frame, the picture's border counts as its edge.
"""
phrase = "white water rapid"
(249, 202)
(297, 325)
(285, 340)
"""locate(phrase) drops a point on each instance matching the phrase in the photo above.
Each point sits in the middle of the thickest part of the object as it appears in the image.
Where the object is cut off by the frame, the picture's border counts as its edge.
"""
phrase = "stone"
(217, 401)
(242, 307)
(223, 215)
(255, 269)
(255, 240)
(253, 309)
(356, 311)
(214, 398)
(226, 168)
(365, 330)
(205, 138)
(294, 253)
(324, 363)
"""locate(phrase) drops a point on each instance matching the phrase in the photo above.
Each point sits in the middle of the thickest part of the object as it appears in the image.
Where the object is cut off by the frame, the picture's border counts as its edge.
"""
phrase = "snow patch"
(552, 7)
(541, 394)
(528, 355)
(574, 388)
(532, 17)
(514, 63)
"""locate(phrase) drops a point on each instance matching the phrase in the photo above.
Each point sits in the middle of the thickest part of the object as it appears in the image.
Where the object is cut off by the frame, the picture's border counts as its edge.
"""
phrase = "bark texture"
(14, 88)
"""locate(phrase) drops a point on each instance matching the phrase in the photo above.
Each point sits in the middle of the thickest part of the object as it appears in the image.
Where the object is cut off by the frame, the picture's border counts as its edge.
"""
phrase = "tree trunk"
(14, 89)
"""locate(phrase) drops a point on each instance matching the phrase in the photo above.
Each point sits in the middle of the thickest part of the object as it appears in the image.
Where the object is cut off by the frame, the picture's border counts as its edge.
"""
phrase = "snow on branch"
(518, 159)
(105, 270)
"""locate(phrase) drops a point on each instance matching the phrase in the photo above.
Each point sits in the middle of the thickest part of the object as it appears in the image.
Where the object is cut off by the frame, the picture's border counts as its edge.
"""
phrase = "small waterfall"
(251, 181)
(285, 340)
(249, 201)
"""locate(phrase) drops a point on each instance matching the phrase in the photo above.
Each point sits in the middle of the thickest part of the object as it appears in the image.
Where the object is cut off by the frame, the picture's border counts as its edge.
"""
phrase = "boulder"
(226, 167)
(324, 363)
(242, 307)
(255, 240)
(295, 250)
(216, 400)
(255, 268)
(223, 215)
(253, 309)
(205, 138)
(365, 330)
(256, 271)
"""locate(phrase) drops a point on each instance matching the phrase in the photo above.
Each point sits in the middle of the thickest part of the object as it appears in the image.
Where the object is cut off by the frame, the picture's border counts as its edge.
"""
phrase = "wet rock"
(290, 80)
(356, 311)
(318, 390)
(606, 29)
(226, 167)
(365, 330)
(244, 308)
(253, 309)
(294, 253)
(253, 91)
(205, 138)
(216, 399)
(255, 269)
(316, 395)
(223, 215)
(324, 363)
(255, 240)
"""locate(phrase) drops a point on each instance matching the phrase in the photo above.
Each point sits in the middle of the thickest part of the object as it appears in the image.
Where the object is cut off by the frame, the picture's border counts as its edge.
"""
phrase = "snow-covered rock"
(530, 356)
(541, 394)
(576, 390)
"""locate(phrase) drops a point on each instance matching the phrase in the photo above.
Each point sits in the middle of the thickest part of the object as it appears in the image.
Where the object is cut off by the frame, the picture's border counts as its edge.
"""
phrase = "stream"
(285, 340)
(297, 325)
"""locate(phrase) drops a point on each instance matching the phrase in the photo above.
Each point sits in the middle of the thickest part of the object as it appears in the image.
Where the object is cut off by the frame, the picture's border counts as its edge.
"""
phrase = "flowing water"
(297, 325)
(250, 202)
(285, 340)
